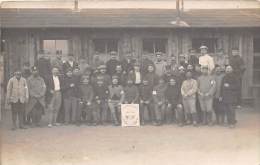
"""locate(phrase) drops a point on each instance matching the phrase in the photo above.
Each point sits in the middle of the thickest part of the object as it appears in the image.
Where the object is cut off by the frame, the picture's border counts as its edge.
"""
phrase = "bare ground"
(148, 145)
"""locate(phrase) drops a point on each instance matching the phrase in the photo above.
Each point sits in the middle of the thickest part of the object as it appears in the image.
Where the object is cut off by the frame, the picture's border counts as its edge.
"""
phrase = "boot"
(115, 119)
(209, 118)
(204, 118)
(189, 119)
(195, 119)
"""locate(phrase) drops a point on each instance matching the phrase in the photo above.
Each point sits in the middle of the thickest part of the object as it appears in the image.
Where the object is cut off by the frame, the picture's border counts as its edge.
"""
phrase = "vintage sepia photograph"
(130, 82)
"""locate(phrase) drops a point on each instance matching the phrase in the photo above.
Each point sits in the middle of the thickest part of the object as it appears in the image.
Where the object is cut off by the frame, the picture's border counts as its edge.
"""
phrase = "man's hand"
(169, 105)
(52, 91)
(88, 103)
(72, 85)
(220, 99)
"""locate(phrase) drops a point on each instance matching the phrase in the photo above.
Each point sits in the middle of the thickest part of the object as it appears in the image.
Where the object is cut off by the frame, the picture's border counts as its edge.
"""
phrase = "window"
(211, 43)
(104, 46)
(3, 46)
(154, 45)
(55, 47)
(256, 61)
(256, 44)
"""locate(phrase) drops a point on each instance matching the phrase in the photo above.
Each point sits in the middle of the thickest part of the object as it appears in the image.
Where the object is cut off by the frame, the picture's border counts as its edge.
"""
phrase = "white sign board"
(130, 115)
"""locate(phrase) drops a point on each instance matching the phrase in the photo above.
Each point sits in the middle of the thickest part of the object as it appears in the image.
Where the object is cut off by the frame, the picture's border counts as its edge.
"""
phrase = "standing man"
(70, 95)
(71, 63)
(217, 104)
(53, 95)
(136, 75)
(188, 90)
(206, 91)
(238, 65)
(193, 59)
(116, 98)
(17, 95)
(128, 63)
(58, 63)
(159, 64)
(205, 59)
(146, 101)
(37, 89)
(228, 95)
(173, 98)
(145, 63)
(112, 63)
(100, 111)
(44, 66)
(96, 62)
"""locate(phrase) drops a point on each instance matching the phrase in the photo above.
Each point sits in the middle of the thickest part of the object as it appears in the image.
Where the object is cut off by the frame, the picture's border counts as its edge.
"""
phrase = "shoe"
(56, 124)
(232, 126)
(180, 124)
(49, 125)
(22, 127)
(14, 128)
(195, 124)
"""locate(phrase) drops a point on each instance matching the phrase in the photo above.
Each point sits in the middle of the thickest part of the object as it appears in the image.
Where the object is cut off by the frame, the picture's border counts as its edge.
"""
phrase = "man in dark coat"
(37, 89)
(70, 63)
(146, 101)
(145, 63)
(44, 67)
(128, 63)
(151, 76)
(112, 63)
(228, 95)
(173, 98)
(238, 65)
(70, 95)
(100, 112)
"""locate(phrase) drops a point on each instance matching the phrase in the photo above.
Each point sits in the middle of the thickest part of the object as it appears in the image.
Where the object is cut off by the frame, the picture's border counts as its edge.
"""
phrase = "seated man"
(131, 93)
(159, 101)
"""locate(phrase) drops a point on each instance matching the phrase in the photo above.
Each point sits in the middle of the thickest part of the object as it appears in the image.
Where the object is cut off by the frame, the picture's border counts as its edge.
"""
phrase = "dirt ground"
(148, 145)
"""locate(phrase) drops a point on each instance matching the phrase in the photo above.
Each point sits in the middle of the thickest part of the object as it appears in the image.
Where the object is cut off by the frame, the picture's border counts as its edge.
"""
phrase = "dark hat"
(168, 67)
(113, 53)
(102, 67)
(158, 53)
(114, 77)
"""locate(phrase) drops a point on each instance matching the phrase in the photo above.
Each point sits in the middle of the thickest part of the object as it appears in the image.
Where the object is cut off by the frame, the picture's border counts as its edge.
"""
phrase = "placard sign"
(130, 115)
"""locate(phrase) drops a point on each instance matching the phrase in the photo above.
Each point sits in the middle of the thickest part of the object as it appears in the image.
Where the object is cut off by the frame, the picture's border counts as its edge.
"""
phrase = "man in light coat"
(37, 89)
(17, 95)
(205, 59)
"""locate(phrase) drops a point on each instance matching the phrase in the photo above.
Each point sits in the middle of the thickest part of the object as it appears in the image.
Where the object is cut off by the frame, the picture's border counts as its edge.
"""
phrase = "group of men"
(185, 93)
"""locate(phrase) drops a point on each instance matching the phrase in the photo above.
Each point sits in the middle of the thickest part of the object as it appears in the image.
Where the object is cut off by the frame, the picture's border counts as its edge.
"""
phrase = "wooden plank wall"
(23, 45)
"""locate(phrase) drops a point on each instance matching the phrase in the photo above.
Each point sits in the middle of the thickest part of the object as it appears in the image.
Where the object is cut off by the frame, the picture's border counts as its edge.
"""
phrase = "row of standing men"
(184, 95)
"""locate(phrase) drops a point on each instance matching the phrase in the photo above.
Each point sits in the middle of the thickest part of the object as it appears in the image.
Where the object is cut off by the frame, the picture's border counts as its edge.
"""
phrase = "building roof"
(144, 4)
(128, 18)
